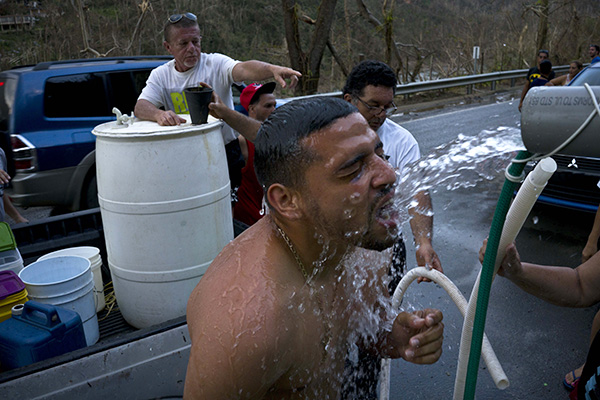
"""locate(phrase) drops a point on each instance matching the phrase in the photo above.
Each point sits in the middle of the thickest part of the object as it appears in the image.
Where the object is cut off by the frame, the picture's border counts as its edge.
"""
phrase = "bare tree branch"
(334, 53)
(144, 6)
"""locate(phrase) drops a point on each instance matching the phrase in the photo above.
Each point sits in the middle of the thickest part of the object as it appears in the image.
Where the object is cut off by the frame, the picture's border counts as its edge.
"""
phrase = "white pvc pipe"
(494, 367)
(518, 212)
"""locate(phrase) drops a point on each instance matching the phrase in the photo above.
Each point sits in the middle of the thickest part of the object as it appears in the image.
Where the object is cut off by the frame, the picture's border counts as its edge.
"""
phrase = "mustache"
(383, 192)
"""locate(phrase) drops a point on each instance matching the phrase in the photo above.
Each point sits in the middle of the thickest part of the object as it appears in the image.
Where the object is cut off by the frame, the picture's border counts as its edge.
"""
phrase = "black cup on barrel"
(197, 101)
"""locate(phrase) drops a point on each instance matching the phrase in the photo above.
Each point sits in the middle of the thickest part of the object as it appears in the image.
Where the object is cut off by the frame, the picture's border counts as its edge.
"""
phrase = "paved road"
(536, 343)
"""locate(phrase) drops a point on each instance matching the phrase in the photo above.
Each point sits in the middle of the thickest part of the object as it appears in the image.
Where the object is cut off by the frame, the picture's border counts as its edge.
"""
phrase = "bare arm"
(149, 112)
(258, 71)
(421, 224)
(246, 126)
(560, 81)
(562, 286)
(591, 247)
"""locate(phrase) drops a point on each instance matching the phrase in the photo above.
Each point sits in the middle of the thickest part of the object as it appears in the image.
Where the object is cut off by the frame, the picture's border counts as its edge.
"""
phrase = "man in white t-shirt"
(162, 98)
(371, 86)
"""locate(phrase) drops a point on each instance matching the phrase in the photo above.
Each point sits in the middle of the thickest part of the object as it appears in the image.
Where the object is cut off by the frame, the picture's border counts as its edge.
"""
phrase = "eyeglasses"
(378, 110)
(175, 18)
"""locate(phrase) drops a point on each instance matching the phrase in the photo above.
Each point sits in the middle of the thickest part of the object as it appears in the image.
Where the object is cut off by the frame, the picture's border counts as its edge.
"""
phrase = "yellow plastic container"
(7, 303)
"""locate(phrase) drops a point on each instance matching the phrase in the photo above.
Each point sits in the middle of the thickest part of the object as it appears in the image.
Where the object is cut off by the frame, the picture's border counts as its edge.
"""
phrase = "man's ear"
(167, 46)
(348, 97)
(285, 201)
(251, 110)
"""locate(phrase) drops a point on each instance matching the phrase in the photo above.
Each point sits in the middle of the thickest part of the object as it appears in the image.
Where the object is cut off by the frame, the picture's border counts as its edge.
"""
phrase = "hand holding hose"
(511, 263)
(427, 257)
(417, 337)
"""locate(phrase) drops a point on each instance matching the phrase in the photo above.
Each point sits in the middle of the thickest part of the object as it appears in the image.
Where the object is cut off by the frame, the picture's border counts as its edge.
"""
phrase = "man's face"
(184, 46)
(593, 52)
(348, 189)
(377, 98)
(541, 57)
(263, 107)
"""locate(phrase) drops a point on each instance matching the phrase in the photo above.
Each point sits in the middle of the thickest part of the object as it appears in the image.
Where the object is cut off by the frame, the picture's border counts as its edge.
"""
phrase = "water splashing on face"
(357, 305)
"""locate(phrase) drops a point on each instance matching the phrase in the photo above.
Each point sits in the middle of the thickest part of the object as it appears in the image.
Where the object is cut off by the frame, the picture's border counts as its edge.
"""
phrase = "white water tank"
(164, 196)
(551, 114)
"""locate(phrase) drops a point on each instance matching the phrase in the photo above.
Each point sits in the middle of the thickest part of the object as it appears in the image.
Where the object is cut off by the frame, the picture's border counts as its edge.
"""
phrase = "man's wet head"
(322, 166)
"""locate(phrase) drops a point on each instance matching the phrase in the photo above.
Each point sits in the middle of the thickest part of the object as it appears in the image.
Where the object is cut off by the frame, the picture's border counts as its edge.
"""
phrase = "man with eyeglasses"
(162, 98)
(371, 86)
(534, 73)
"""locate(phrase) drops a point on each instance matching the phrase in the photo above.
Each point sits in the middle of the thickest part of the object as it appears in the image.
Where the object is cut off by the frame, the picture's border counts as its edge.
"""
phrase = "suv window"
(589, 75)
(81, 95)
(126, 87)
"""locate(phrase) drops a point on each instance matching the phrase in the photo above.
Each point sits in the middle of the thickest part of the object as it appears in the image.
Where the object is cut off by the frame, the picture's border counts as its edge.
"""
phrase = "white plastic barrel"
(67, 282)
(164, 196)
(92, 254)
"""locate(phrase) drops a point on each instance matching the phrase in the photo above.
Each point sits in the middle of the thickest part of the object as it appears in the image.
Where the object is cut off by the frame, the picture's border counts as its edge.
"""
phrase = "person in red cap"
(258, 100)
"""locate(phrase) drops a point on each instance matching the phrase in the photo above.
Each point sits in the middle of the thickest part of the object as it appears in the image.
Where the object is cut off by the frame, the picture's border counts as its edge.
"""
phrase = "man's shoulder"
(532, 71)
(216, 57)
(392, 130)
(539, 82)
(162, 70)
(244, 262)
(166, 66)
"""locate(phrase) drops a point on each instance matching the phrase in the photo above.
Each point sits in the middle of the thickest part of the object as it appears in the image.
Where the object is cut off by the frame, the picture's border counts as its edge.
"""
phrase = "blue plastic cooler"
(41, 331)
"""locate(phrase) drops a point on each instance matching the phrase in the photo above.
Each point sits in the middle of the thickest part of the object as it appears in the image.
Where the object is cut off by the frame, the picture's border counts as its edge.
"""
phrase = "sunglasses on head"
(175, 18)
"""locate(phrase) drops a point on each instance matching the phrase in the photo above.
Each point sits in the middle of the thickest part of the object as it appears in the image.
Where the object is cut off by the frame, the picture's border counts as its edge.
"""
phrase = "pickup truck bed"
(132, 363)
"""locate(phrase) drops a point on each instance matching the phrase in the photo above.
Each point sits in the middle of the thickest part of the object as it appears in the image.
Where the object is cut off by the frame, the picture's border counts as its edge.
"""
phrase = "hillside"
(420, 39)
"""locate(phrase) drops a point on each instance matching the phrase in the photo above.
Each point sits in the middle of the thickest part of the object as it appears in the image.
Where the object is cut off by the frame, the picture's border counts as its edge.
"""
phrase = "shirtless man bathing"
(279, 308)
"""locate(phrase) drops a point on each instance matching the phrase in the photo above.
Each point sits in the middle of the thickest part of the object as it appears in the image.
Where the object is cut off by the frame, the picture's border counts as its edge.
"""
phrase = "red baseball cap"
(255, 89)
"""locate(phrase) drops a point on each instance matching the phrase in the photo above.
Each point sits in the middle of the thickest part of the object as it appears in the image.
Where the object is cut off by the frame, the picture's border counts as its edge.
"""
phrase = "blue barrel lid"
(10, 283)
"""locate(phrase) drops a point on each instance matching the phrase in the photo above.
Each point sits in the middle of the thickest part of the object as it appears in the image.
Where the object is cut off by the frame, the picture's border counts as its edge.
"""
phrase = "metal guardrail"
(439, 84)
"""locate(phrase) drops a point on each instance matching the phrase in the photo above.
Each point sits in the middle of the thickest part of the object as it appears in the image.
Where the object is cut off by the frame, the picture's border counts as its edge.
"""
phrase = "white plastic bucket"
(92, 254)
(11, 260)
(164, 196)
(67, 282)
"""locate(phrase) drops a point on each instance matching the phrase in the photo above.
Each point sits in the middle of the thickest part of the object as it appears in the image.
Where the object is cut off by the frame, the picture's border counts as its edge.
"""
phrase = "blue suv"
(47, 113)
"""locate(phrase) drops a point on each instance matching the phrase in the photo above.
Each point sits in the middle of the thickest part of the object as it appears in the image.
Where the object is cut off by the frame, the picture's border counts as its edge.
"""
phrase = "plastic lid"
(10, 283)
(7, 239)
(150, 128)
